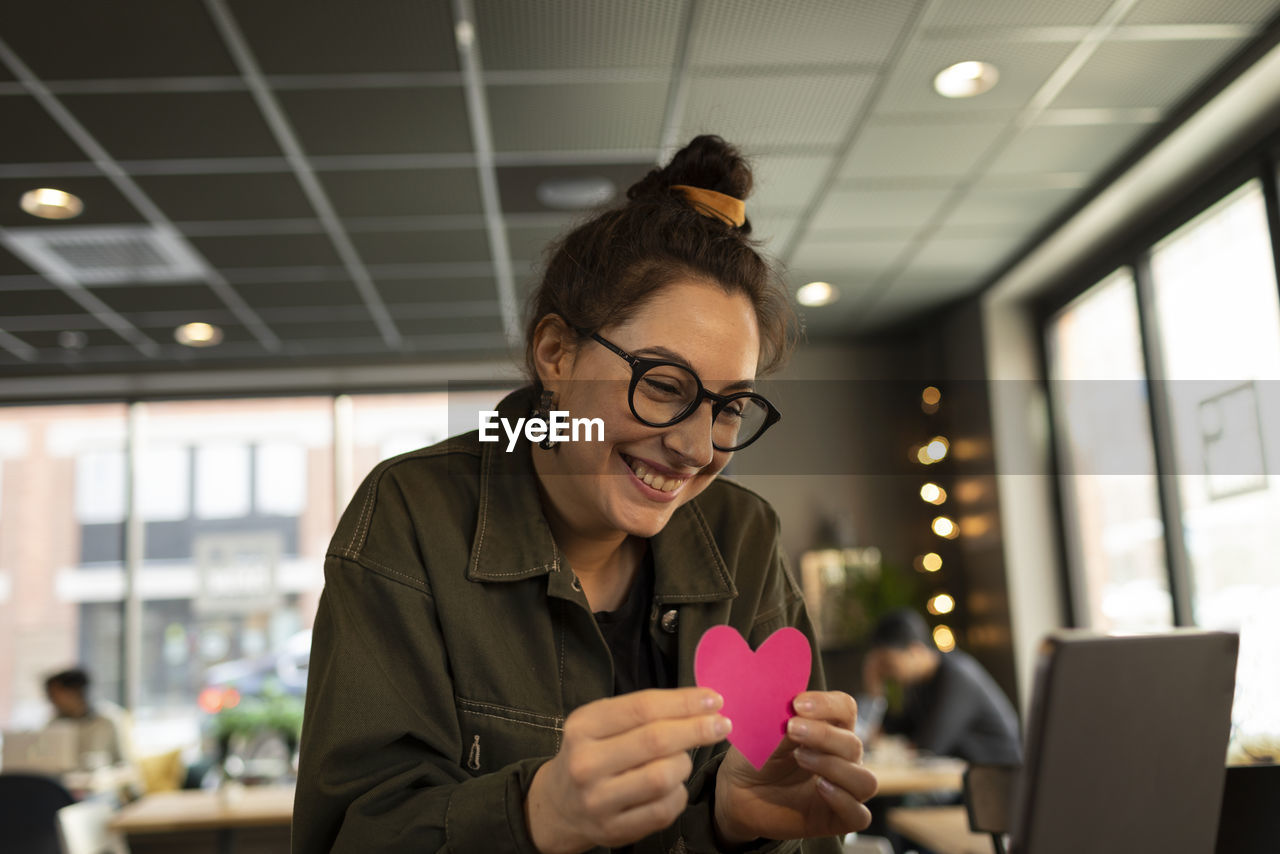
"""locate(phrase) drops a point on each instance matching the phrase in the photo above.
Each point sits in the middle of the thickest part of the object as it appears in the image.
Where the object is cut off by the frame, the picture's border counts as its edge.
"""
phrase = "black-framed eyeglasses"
(663, 393)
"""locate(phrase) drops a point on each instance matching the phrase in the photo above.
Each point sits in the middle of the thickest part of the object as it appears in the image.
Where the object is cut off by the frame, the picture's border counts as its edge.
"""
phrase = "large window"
(234, 503)
(62, 485)
(1203, 321)
(1110, 498)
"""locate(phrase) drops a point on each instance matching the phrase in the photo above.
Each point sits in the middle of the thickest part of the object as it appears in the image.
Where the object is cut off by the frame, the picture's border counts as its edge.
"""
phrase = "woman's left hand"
(813, 785)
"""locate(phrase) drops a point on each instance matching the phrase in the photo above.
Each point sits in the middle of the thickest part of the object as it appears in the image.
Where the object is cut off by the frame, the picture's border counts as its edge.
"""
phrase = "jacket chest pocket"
(494, 736)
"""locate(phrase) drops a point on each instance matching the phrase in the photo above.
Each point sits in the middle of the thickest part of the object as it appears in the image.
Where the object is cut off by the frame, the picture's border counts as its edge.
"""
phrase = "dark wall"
(839, 465)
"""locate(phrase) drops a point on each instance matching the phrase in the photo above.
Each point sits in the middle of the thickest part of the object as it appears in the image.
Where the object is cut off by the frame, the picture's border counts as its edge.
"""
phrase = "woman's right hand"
(620, 772)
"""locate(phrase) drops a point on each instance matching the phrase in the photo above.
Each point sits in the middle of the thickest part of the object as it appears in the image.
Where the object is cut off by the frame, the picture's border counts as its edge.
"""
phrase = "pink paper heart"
(757, 687)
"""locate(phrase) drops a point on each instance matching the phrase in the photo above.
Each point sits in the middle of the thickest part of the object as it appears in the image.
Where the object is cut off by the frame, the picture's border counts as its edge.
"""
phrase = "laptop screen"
(1126, 744)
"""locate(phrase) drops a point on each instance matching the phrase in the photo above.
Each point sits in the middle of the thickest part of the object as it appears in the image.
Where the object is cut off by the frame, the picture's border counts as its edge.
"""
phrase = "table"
(931, 774)
(235, 819)
(943, 829)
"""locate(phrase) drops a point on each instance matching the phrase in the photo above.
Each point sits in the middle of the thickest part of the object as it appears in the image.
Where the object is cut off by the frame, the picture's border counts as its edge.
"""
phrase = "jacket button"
(576, 584)
(670, 621)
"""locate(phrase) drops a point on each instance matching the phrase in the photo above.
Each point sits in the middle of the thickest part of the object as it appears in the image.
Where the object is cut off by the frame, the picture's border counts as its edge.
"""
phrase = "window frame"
(1133, 250)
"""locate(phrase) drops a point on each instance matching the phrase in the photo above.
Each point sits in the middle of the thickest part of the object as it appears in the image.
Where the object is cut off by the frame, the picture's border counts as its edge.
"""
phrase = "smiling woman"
(503, 655)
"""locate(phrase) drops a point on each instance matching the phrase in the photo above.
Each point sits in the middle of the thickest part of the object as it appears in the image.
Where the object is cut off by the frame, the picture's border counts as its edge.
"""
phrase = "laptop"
(53, 750)
(1126, 744)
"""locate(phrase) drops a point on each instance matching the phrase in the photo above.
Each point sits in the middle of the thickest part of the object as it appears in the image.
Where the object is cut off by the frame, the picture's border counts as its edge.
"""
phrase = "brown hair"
(600, 273)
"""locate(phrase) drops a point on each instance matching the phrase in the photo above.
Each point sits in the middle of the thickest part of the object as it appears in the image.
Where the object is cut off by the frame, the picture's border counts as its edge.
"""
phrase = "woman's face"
(600, 488)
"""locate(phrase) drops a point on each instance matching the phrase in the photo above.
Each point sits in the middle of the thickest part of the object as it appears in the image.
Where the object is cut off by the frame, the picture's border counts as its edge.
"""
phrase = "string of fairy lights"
(930, 453)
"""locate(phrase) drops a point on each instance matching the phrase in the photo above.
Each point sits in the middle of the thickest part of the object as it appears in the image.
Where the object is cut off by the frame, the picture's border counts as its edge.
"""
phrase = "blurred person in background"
(98, 725)
(951, 705)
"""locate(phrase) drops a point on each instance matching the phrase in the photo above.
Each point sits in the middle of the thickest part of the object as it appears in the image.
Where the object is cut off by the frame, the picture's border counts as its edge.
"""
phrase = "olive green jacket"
(452, 640)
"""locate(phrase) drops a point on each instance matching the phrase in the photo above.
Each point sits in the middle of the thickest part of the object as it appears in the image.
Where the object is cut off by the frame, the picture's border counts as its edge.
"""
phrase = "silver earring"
(543, 410)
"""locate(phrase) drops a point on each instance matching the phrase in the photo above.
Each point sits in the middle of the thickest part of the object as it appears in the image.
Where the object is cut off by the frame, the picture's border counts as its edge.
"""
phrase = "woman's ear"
(554, 348)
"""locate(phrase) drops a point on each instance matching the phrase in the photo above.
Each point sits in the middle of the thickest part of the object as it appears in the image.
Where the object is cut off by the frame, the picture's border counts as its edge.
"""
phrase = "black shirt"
(637, 662)
(960, 712)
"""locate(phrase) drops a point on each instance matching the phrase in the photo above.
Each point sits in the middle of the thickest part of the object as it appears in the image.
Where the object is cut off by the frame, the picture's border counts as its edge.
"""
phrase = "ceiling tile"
(355, 326)
(103, 203)
(1024, 68)
(576, 116)
(858, 258)
(772, 226)
(1067, 148)
(11, 266)
(468, 288)
(378, 121)
(755, 112)
(1144, 74)
(1024, 208)
(31, 136)
(767, 32)
(1202, 12)
(971, 258)
(403, 192)
(910, 296)
(1013, 13)
(914, 150)
(268, 295)
(906, 209)
(408, 247)
(46, 300)
(268, 250)
(159, 297)
(95, 336)
(337, 37)
(450, 325)
(783, 181)
(530, 242)
(140, 38)
(156, 125)
(577, 34)
(518, 185)
(265, 195)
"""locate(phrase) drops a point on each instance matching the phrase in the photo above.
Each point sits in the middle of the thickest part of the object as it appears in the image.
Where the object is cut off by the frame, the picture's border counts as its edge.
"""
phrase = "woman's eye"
(662, 387)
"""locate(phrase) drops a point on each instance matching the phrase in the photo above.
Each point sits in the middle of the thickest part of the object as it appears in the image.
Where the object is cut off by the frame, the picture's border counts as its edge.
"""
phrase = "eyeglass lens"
(664, 394)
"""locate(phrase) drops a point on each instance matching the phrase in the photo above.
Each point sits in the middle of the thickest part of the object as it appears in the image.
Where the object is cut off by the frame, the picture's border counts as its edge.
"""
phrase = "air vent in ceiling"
(96, 255)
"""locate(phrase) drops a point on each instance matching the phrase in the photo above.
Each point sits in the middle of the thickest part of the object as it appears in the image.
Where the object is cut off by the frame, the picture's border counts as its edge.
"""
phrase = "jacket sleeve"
(381, 764)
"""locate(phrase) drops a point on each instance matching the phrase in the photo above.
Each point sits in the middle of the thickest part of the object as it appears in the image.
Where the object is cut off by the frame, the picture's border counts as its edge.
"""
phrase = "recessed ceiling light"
(72, 339)
(817, 293)
(48, 203)
(966, 79)
(575, 194)
(198, 334)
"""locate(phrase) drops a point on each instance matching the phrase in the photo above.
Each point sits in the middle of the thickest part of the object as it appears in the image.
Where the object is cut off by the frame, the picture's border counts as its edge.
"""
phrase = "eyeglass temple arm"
(631, 360)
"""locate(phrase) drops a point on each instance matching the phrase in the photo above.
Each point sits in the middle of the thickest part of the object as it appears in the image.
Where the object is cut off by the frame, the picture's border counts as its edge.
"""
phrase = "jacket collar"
(513, 540)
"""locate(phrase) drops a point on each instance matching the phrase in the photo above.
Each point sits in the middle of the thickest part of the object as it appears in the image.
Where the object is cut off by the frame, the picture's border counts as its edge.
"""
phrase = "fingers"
(834, 706)
(616, 715)
(648, 783)
(824, 737)
(847, 776)
(657, 739)
(854, 816)
(637, 823)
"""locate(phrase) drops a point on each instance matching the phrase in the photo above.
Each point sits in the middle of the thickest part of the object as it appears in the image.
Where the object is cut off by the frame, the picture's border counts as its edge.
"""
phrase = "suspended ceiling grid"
(356, 183)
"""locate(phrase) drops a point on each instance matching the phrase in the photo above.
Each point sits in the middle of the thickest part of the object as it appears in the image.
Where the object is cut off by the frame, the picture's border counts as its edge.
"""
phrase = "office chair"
(29, 806)
(988, 799)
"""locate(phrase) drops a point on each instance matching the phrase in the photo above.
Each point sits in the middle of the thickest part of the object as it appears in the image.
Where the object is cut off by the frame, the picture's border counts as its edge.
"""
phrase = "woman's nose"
(691, 438)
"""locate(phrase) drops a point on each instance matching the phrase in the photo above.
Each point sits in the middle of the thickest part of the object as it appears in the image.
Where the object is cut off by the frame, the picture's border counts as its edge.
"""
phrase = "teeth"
(656, 481)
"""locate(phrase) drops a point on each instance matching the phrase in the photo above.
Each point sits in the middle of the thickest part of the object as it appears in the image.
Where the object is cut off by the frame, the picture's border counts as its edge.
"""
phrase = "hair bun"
(707, 162)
